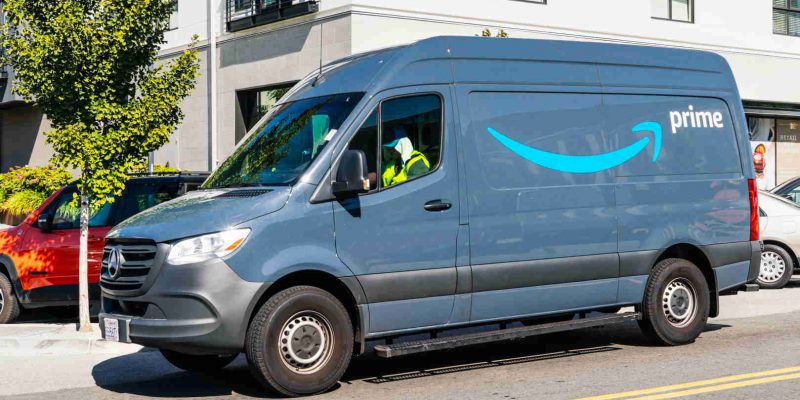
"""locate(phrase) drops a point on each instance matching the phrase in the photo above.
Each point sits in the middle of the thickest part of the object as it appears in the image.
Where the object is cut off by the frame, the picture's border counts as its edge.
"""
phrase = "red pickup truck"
(39, 257)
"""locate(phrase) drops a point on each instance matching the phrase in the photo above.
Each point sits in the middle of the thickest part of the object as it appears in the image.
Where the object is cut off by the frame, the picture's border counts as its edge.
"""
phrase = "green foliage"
(488, 33)
(141, 168)
(89, 66)
(23, 190)
(23, 202)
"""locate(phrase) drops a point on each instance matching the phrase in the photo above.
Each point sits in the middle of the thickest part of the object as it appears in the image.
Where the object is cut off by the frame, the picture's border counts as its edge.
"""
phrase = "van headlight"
(206, 247)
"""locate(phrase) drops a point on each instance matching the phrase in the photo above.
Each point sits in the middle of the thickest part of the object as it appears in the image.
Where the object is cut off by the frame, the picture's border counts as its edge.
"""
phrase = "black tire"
(772, 259)
(321, 329)
(9, 306)
(678, 318)
(198, 363)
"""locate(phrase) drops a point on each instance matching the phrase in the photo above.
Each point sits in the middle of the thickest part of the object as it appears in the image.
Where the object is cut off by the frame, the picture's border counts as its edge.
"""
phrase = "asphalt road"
(751, 351)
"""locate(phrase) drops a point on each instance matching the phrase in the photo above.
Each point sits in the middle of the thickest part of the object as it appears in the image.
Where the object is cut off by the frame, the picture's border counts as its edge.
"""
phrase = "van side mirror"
(45, 222)
(352, 176)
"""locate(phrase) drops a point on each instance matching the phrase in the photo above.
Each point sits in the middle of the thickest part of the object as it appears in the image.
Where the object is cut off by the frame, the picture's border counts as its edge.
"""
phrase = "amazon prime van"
(455, 182)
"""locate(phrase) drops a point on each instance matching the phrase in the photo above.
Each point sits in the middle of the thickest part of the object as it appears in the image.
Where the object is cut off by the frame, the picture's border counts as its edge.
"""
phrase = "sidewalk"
(22, 339)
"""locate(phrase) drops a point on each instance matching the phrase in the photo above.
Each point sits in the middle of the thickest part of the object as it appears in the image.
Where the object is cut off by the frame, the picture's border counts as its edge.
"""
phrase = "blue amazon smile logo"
(586, 164)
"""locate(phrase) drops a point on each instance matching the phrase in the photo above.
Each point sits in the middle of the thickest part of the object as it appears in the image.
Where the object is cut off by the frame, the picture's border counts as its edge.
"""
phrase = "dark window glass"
(280, 149)
(138, 198)
(786, 17)
(411, 129)
(66, 215)
(366, 140)
(254, 105)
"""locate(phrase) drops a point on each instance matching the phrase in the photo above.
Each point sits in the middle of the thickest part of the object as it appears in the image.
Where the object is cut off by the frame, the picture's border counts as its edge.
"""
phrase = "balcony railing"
(243, 14)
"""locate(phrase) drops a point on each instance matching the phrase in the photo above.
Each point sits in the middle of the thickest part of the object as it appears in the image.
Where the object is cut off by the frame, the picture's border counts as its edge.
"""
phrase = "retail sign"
(788, 131)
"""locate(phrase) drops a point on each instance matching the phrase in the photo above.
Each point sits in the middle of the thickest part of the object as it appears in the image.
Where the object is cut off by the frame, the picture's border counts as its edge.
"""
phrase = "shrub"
(23, 189)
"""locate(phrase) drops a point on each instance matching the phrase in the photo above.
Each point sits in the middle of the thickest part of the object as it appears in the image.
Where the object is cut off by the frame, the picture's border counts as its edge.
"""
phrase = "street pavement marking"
(712, 385)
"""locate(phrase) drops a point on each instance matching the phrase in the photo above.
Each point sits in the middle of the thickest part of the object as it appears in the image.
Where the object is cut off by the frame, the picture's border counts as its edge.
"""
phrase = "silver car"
(780, 231)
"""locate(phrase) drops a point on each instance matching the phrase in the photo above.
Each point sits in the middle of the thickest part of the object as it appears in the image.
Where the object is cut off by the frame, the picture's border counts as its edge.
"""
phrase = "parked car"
(789, 189)
(453, 182)
(780, 231)
(39, 258)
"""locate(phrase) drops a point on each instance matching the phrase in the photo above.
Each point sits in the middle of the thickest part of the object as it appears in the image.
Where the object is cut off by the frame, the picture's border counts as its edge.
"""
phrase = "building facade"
(252, 50)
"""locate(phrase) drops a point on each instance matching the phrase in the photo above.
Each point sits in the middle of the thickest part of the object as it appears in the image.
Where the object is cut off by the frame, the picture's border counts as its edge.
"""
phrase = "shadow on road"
(166, 381)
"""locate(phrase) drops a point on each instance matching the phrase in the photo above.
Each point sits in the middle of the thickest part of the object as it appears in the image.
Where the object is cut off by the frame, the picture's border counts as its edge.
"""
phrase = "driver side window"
(67, 216)
(404, 137)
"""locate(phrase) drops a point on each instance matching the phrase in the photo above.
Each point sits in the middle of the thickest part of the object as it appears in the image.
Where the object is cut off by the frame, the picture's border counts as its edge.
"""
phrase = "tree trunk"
(84, 324)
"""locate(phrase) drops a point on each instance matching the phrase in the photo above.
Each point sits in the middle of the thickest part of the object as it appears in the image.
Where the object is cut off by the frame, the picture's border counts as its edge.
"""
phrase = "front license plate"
(111, 330)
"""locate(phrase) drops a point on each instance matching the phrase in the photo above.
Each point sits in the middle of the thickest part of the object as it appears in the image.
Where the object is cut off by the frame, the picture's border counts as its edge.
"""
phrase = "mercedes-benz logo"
(115, 261)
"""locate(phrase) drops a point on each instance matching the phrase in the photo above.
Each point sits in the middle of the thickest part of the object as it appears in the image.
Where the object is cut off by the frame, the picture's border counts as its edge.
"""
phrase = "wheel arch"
(8, 269)
(699, 258)
(346, 289)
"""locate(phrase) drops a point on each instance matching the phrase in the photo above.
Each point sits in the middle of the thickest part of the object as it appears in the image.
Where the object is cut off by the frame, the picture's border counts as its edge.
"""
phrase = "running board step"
(444, 343)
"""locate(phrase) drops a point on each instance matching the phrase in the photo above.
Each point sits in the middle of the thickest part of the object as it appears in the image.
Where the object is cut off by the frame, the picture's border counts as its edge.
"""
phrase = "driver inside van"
(404, 162)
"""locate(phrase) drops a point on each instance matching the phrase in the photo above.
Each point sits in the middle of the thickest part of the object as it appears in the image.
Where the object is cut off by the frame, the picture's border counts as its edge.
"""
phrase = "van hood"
(201, 212)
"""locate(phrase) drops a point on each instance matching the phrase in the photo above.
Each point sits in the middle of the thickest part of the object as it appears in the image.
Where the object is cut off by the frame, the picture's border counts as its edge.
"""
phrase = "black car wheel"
(9, 307)
(776, 268)
(676, 303)
(300, 342)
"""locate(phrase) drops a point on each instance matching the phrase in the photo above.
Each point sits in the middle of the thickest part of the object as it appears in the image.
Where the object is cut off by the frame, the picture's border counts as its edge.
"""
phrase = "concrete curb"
(57, 339)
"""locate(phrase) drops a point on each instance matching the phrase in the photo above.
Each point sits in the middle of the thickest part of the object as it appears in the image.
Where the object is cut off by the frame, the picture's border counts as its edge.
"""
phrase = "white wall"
(740, 31)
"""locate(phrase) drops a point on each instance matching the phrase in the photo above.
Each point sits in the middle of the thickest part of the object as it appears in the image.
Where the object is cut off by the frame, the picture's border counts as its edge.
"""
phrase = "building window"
(786, 17)
(674, 10)
(254, 105)
(173, 18)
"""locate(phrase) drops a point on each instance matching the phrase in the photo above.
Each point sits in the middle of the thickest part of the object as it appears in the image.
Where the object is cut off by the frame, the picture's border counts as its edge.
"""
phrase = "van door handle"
(437, 205)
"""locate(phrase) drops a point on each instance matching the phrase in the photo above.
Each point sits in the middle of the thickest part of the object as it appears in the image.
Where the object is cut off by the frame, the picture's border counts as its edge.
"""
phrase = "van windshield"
(285, 143)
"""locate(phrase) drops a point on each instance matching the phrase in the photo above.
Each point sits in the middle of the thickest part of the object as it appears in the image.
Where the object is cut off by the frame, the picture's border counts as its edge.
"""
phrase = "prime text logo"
(695, 119)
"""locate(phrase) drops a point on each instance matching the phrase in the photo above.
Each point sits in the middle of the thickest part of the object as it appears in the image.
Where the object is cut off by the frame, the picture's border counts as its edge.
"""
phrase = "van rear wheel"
(9, 307)
(300, 342)
(676, 303)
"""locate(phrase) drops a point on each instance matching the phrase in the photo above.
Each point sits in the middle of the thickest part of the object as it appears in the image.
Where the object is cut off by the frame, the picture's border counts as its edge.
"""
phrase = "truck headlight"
(206, 247)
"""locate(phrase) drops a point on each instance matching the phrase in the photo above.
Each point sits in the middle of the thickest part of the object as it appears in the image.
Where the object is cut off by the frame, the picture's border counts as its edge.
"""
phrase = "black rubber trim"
(638, 263)
(728, 253)
(355, 289)
(552, 271)
(408, 285)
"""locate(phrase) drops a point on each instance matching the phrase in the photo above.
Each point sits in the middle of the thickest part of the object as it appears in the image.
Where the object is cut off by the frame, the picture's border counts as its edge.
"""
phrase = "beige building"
(260, 46)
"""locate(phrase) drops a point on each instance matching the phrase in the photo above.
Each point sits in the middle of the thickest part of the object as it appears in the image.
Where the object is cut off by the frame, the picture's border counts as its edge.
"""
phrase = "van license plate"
(111, 329)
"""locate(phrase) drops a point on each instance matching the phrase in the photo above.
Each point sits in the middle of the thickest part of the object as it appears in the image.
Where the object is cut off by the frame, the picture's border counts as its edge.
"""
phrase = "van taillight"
(753, 192)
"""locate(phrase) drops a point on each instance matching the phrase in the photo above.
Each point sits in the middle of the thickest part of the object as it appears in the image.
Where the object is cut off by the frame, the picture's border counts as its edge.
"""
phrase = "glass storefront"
(776, 149)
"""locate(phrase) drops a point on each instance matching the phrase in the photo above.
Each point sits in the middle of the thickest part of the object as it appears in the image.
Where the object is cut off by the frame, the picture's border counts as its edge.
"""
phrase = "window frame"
(379, 109)
(56, 204)
(788, 10)
(669, 12)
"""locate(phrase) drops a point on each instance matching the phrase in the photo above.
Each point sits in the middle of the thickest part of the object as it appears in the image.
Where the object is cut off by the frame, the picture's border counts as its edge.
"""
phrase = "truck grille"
(133, 263)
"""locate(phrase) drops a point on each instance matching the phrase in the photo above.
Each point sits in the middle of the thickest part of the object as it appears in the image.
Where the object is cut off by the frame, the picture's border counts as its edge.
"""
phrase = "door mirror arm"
(352, 176)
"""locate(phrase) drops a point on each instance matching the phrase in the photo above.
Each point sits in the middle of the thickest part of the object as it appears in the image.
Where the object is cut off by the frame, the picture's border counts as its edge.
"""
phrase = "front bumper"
(196, 308)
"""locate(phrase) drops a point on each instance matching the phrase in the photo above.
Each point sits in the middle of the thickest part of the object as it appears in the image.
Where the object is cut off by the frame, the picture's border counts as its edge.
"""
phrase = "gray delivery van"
(453, 182)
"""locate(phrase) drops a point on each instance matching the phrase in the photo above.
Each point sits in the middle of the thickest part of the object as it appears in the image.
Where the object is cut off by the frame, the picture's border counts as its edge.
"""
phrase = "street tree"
(92, 67)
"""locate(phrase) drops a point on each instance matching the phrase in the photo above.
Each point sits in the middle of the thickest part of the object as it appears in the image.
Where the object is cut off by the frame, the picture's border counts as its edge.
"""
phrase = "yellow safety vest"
(393, 175)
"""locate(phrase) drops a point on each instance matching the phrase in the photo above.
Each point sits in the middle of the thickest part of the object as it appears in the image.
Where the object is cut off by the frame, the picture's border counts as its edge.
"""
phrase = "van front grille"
(133, 262)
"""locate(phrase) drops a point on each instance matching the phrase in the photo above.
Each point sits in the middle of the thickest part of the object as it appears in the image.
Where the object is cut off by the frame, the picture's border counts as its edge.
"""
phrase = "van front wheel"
(300, 342)
(676, 303)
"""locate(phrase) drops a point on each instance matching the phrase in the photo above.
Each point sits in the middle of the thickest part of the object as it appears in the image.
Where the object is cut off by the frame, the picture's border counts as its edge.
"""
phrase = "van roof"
(463, 59)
